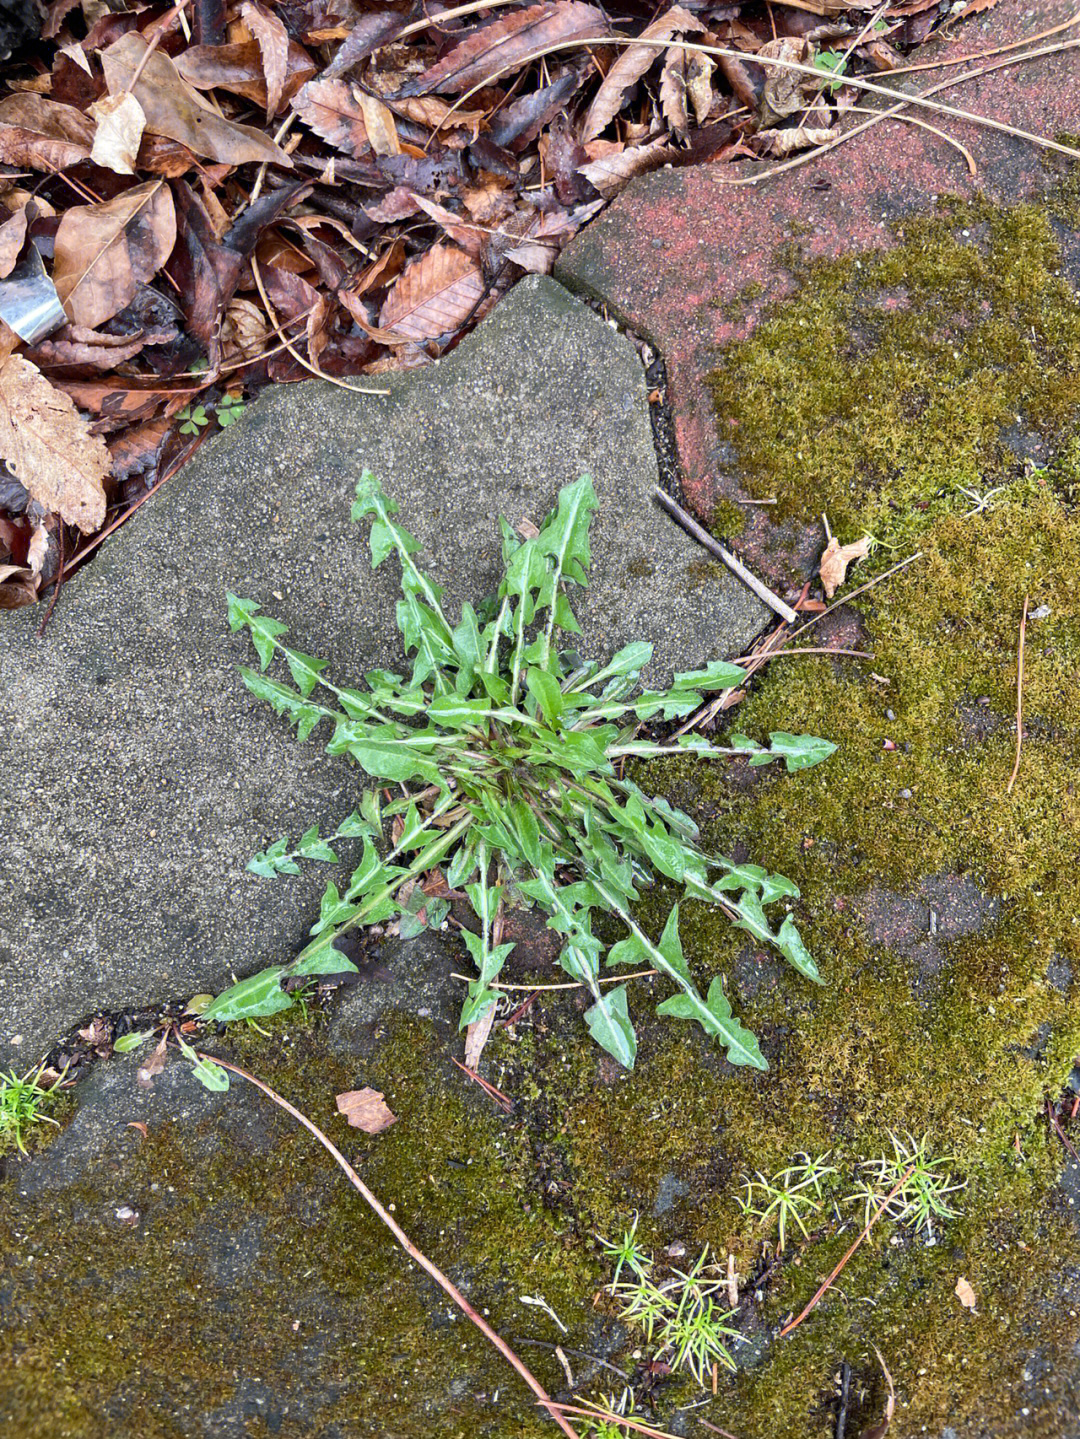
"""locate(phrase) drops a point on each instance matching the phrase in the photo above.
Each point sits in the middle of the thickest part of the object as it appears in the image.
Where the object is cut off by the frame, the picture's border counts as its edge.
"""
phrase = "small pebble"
(126, 1214)
(889, 715)
(1041, 613)
(905, 794)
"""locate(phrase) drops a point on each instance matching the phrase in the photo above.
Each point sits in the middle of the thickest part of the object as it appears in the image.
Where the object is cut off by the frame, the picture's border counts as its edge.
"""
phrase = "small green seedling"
(626, 1253)
(194, 419)
(230, 408)
(510, 755)
(834, 63)
(922, 1195)
(793, 1195)
(23, 1100)
(682, 1318)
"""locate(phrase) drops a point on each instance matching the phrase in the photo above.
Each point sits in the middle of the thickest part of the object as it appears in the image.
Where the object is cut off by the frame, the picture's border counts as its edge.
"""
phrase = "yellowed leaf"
(49, 448)
(434, 295)
(120, 126)
(365, 1109)
(965, 1293)
(835, 561)
(379, 123)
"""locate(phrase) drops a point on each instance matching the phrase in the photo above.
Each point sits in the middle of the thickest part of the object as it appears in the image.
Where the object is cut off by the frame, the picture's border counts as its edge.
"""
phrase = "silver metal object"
(28, 299)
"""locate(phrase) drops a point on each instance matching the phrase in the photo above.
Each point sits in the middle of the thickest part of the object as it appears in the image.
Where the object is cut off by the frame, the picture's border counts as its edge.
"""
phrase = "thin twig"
(502, 1100)
(1019, 698)
(692, 528)
(609, 1417)
(969, 158)
(942, 63)
(578, 1354)
(294, 352)
(794, 1323)
(807, 650)
(442, 1280)
(1052, 1116)
(570, 984)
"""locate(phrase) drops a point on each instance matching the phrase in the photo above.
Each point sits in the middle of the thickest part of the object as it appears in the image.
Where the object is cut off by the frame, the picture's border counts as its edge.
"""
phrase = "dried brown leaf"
(12, 239)
(332, 110)
(965, 1293)
(778, 144)
(631, 64)
(104, 252)
(497, 47)
(612, 172)
(120, 126)
(175, 110)
(365, 1109)
(879, 1430)
(434, 295)
(380, 124)
(43, 134)
(786, 90)
(273, 41)
(38, 549)
(741, 79)
(476, 1036)
(238, 69)
(835, 561)
(431, 111)
(49, 448)
(699, 90)
(673, 92)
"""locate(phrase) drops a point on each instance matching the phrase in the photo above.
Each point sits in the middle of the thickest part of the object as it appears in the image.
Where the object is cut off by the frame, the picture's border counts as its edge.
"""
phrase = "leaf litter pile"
(199, 200)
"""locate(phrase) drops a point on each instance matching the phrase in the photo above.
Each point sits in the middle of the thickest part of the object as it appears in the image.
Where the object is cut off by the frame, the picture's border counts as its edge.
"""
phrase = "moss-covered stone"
(878, 390)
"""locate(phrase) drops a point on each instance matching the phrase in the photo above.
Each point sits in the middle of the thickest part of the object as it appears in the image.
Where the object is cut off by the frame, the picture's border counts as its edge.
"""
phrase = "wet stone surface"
(139, 774)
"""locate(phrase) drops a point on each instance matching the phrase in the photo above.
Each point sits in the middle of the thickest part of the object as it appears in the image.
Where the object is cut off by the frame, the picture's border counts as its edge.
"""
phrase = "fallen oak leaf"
(835, 561)
(49, 448)
(611, 173)
(104, 252)
(365, 1109)
(120, 126)
(965, 1293)
(43, 133)
(175, 110)
(434, 295)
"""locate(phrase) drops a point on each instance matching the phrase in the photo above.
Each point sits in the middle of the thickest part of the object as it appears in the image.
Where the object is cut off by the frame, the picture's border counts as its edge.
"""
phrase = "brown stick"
(406, 1243)
(1019, 698)
(691, 526)
(794, 1323)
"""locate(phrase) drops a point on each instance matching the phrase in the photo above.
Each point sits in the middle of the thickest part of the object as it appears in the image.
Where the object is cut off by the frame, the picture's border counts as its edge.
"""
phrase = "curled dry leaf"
(365, 1109)
(331, 109)
(104, 252)
(476, 1037)
(778, 144)
(178, 112)
(43, 134)
(490, 49)
(835, 561)
(611, 172)
(49, 448)
(631, 64)
(786, 90)
(699, 72)
(965, 1293)
(273, 41)
(673, 96)
(434, 295)
(120, 126)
